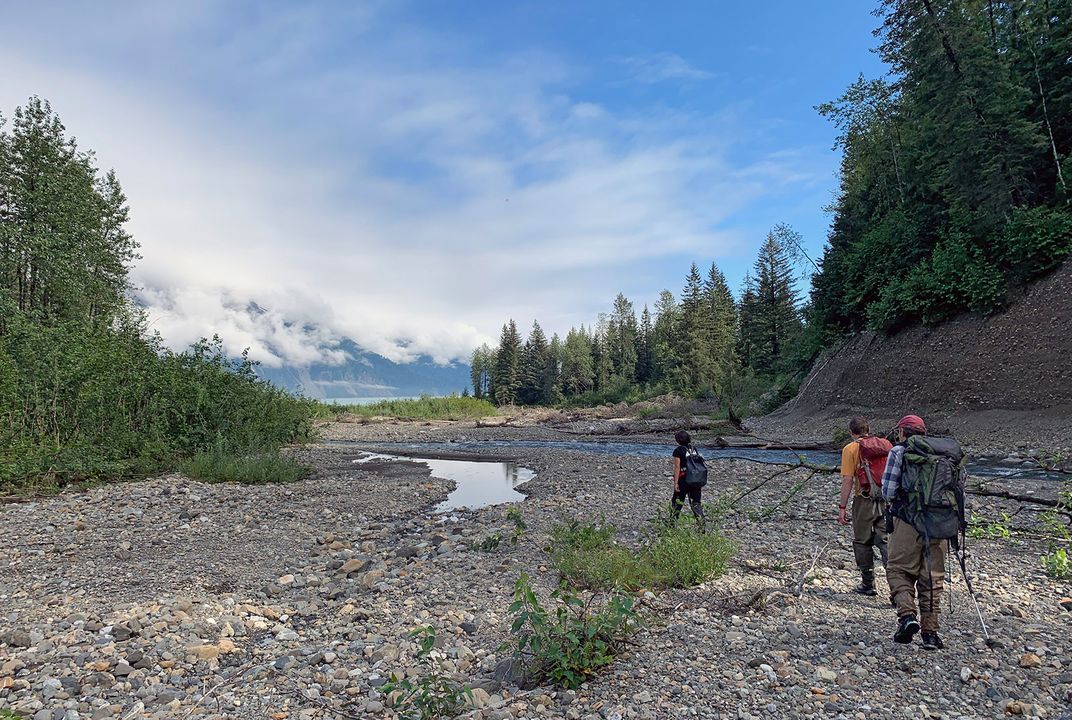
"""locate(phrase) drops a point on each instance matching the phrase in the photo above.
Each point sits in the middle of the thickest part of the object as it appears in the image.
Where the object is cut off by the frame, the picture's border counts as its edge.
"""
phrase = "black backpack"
(931, 496)
(695, 468)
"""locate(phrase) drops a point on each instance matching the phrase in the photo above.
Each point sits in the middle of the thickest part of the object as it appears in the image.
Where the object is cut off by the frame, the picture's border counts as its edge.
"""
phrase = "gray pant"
(868, 532)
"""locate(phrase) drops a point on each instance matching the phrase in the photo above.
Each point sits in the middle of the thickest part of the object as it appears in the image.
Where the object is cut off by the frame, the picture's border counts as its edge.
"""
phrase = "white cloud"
(662, 67)
(384, 193)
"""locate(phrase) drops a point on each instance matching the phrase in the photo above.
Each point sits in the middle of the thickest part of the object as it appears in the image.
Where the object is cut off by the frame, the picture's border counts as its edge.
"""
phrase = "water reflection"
(478, 483)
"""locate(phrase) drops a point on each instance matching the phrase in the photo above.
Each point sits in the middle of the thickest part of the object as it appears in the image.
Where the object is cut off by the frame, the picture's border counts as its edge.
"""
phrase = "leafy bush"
(673, 555)
(1035, 241)
(79, 402)
(432, 696)
(568, 643)
(252, 468)
(1058, 565)
(678, 556)
(451, 407)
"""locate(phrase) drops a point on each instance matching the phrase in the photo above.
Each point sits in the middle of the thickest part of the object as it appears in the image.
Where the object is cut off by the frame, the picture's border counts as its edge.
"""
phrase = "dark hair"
(683, 438)
(859, 425)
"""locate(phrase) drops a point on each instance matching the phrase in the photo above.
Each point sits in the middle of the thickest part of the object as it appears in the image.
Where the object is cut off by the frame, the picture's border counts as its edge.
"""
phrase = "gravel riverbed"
(169, 598)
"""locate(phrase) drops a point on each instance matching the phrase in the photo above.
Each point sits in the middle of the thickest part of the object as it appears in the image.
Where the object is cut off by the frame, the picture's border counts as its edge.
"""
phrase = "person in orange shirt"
(862, 463)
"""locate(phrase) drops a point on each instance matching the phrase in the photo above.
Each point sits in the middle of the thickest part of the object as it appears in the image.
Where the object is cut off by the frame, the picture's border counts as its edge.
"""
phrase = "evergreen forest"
(953, 193)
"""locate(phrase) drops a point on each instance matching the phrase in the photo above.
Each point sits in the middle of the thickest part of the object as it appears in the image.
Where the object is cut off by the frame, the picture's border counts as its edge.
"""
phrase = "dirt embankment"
(1001, 381)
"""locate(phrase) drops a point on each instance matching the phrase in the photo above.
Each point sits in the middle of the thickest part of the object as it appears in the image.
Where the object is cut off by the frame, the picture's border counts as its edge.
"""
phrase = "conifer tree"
(622, 339)
(666, 332)
(722, 313)
(533, 368)
(646, 348)
(699, 369)
(770, 320)
(506, 378)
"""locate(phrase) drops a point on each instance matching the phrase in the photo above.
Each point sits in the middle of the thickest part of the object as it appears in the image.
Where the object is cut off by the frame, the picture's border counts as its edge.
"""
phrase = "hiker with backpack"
(690, 475)
(924, 481)
(863, 462)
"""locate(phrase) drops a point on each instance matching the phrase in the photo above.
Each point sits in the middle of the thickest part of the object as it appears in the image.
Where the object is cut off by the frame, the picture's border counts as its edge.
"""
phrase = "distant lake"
(364, 400)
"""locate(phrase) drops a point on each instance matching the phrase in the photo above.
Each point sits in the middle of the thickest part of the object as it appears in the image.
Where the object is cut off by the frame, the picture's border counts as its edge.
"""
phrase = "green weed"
(1058, 565)
(569, 642)
(432, 696)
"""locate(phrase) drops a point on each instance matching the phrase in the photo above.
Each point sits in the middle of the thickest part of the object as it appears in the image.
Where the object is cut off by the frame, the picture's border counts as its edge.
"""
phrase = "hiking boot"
(931, 641)
(866, 586)
(907, 627)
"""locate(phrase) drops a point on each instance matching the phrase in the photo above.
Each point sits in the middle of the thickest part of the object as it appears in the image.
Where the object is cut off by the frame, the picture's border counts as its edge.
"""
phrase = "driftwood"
(1007, 495)
(762, 444)
(971, 490)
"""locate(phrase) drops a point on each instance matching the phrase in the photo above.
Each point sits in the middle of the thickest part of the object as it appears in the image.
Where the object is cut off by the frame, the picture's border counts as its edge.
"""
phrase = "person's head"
(859, 426)
(910, 425)
(683, 438)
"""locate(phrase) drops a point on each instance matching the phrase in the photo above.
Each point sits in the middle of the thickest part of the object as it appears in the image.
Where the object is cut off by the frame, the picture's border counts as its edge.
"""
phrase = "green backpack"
(932, 487)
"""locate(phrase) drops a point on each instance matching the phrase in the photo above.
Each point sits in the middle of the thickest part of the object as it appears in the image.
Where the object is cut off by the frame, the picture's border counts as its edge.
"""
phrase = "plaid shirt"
(891, 478)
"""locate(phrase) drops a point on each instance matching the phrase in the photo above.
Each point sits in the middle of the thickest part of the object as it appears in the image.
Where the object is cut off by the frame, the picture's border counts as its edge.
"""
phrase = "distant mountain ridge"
(367, 374)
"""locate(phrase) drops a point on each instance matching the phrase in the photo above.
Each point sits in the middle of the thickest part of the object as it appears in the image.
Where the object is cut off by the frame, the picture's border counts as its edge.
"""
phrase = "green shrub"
(568, 643)
(80, 402)
(433, 695)
(253, 468)
(1035, 240)
(1057, 564)
(678, 556)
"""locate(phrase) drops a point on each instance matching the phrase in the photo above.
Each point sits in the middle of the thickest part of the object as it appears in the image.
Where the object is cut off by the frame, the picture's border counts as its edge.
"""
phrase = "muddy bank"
(171, 598)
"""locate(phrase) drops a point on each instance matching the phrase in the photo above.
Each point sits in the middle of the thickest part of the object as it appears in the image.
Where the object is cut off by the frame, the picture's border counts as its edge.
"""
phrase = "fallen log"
(762, 444)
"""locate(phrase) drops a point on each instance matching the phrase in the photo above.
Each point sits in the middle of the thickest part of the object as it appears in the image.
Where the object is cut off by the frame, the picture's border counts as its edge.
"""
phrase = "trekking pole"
(971, 593)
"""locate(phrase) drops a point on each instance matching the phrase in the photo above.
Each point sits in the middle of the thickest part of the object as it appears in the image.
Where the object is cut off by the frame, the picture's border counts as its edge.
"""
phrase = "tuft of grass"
(252, 468)
(451, 407)
(677, 556)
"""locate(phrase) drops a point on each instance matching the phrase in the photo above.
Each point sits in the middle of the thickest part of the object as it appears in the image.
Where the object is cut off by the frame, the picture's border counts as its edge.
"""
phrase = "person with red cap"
(915, 567)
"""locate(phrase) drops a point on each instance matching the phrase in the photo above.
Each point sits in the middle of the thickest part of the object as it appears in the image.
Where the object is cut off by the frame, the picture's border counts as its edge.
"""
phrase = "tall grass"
(253, 468)
(673, 556)
(451, 407)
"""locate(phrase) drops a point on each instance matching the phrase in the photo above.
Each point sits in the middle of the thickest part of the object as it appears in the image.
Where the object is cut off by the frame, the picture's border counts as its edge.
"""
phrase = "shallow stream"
(983, 467)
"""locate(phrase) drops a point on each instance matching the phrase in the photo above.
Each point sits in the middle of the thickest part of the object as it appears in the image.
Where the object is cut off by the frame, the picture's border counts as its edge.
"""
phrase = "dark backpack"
(931, 496)
(695, 468)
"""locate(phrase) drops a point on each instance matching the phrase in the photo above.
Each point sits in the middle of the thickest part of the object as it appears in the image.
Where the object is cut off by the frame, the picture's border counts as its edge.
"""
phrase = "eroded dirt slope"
(1003, 380)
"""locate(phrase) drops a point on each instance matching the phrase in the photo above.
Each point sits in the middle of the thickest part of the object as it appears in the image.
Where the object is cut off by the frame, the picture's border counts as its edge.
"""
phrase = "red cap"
(912, 422)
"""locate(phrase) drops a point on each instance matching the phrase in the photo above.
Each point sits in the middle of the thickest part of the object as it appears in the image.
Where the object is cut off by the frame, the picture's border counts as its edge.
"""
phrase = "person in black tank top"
(682, 491)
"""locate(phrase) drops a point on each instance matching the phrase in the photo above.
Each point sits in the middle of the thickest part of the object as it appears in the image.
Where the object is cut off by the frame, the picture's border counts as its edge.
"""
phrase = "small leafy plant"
(1058, 564)
(434, 695)
(569, 642)
(992, 529)
(489, 543)
(514, 515)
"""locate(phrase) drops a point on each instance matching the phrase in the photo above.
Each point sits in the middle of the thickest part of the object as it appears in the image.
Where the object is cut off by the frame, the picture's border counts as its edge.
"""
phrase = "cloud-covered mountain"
(366, 374)
(301, 346)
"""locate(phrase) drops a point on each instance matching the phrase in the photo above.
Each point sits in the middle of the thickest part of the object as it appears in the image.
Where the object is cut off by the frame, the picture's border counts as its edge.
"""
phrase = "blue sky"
(410, 174)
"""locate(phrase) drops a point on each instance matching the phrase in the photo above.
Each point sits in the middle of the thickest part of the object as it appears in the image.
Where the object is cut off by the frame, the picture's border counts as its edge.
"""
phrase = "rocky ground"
(170, 598)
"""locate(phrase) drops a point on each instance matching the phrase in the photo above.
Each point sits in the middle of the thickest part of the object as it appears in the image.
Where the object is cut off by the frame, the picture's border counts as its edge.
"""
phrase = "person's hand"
(841, 516)
(677, 487)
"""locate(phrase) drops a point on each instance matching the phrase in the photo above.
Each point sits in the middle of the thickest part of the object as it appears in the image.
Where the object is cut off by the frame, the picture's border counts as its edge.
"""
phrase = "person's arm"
(846, 489)
(891, 476)
(677, 474)
(849, 457)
